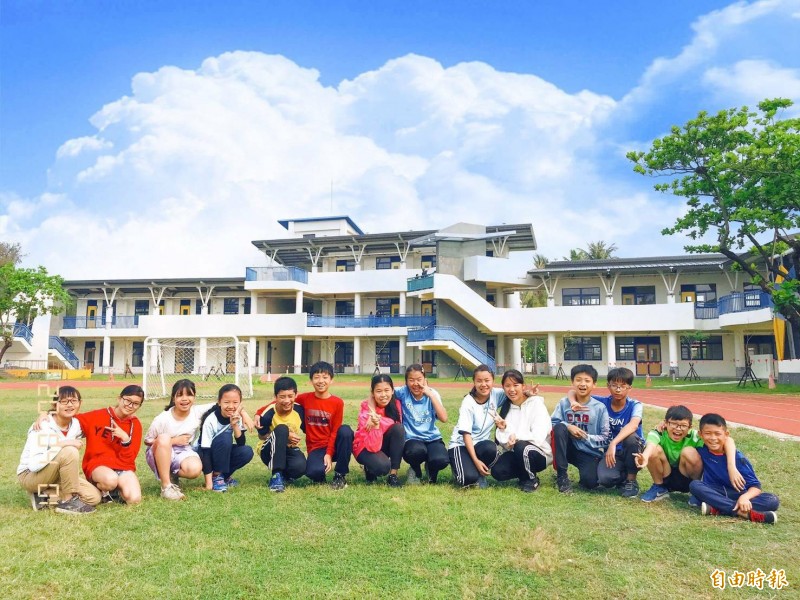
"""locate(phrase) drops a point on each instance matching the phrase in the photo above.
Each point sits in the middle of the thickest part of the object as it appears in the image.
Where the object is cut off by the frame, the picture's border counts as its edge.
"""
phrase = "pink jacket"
(371, 440)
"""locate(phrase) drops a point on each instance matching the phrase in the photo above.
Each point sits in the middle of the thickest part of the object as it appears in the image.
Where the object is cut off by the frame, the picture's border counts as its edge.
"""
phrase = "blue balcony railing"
(416, 284)
(57, 344)
(743, 301)
(371, 321)
(23, 331)
(706, 310)
(117, 322)
(276, 274)
(450, 334)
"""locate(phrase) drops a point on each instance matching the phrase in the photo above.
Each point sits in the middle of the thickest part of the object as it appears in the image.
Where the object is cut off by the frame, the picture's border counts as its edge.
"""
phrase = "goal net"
(209, 362)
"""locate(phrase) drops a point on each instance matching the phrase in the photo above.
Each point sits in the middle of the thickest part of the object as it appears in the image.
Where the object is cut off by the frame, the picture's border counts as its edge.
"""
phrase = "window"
(760, 344)
(582, 348)
(707, 349)
(635, 295)
(752, 295)
(699, 292)
(580, 296)
(345, 308)
(343, 356)
(387, 262)
(345, 265)
(247, 305)
(386, 307)
(231, 306)
(137, 354)
(111, 355)
(198, 307)
(141, 308)
(625, 348)
(186, 307)
(428, 261)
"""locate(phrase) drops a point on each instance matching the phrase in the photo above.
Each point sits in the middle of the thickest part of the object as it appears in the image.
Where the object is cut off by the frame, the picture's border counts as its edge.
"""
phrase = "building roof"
(647, 264)
(86, 287)
(285, 222)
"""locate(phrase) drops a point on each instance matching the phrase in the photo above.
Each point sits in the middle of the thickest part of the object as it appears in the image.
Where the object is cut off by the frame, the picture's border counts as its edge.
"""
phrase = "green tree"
(739, 171)
(600, 250)
(25, 294)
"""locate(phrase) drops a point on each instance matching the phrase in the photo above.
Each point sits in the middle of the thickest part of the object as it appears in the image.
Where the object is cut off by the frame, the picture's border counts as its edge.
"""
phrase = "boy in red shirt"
(327, 440)
(113, 439)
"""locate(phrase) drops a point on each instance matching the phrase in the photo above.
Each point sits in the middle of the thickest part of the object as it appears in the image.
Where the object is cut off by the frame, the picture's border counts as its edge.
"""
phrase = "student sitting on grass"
(618, 468)
(714, 490)
(280, 427)
(472, 451)
(169, 440)
(326, 438)
(670, 454)
(113, 439)
(581, 434)
(380, 437)
(220, 427)
(50, 458)
(526, 435)
(422, 406)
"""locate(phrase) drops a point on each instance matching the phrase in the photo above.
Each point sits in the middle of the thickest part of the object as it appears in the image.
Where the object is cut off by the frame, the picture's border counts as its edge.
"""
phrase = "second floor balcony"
(370, 321)
(117, 322)
(276, 274)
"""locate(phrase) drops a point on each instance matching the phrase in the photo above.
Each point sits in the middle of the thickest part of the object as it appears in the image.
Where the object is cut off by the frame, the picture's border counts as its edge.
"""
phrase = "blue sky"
(131, 125)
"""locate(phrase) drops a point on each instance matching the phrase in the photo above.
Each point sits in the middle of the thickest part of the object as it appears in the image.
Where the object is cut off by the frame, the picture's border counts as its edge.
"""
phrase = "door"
(91, 317)
(88, 356)
(648, 358)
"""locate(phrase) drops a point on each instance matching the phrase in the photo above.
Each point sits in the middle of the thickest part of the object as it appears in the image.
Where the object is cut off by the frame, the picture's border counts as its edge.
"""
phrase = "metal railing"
(416, 284)
(370, 321)
(117, 322)
(276, 274)
(743, 301)
(706, 310)
(21, 330)
(451, 334)
(57, 344)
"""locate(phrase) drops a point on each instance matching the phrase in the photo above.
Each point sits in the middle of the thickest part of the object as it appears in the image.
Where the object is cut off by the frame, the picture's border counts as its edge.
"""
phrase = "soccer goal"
(209, 362)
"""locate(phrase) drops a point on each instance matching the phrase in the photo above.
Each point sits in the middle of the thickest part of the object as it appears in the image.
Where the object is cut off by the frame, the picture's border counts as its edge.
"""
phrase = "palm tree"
(600, 250)
(577, 254)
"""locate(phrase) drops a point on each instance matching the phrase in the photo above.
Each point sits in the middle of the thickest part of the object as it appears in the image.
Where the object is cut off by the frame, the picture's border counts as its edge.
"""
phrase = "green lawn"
(369, 542)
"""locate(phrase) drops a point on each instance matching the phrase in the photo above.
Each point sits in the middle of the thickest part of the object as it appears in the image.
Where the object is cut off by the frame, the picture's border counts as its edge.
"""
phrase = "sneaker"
(630, 489)
(693, 501)
(412, 478)
(112, 496)
(393, 481)
(172, 492)
(708, 510)
(655, 493)
(39, 501)
(766, 517)
(482, 483)
(218, 484)
(339, 482)
(529, 485)
(563, 484)
(231, 482)
(276, 484)
(74, 506)
(370, 476)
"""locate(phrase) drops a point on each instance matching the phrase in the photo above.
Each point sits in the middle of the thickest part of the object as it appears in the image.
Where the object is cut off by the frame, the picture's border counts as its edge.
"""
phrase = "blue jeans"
(724, 499)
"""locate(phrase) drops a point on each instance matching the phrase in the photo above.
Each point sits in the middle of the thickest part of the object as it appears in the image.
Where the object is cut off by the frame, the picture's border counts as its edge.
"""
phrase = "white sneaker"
(172, 492)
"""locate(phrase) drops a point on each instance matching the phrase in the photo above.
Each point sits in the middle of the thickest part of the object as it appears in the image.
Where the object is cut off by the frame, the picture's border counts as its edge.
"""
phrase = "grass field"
(372, 541)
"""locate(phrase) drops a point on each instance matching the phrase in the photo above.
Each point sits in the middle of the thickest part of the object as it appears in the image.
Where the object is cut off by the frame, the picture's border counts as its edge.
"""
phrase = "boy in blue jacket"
(580, 436)
(714, 490)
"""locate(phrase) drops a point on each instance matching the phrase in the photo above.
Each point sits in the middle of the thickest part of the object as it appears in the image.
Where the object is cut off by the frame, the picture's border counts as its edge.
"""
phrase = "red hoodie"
(101, 450)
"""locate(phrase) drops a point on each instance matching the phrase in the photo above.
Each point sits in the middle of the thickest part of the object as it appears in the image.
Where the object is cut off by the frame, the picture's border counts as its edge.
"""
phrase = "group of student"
(506, 432)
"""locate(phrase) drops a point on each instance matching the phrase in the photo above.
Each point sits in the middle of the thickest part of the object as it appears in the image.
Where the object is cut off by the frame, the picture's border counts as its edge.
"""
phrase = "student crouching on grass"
(51, 458)
(472, 450)
(422, 407)
(526, 435)
(222, 445)
(380, 437)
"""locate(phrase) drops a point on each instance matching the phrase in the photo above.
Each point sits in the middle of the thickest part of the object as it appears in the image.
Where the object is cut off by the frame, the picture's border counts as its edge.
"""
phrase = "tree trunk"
(6, 346)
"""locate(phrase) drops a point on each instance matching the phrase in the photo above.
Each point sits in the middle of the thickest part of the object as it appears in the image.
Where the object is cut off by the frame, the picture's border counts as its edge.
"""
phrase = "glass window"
(247, 305)
(142, 307)
(642, 294)
(707, 349)
(625, 349)
(387, 262)
(345, 308)
(428, 261)
(583, 348)
(699, 292)
(580, 296)
(137, 354)
(231, 306)
(345, 265)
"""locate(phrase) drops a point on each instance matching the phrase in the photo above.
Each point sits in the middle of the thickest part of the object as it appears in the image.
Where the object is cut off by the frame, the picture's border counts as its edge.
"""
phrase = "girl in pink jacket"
(380, 437)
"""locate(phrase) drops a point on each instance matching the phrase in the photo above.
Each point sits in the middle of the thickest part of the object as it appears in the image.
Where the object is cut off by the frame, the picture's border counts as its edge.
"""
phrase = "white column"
(298, 307)
(251, 353)
(674, 350)
(551, 300)
(552, 357)
(109, 317)
(203, 355)
(738, 350)
(514, 301)
(253, 303)
(500, 351)
(298, 353)
(357, 354)
(611, 349)
(402, 303)
(401, 353)
(107, 353)
(357, 305)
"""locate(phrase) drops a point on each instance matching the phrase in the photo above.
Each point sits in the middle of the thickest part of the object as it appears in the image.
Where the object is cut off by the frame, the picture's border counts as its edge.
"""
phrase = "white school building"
(449, 299)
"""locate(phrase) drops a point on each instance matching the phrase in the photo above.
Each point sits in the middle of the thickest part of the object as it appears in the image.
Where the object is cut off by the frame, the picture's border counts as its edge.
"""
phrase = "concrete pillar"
(403, 308)
(674, 349)
(357, 354)
(298, 307)
(611, 349)
(500, 351)
(107, 352)
(109, 319)
(551, 300)
(251, 352)
(552, 357)
(514, 301)
(253, 303)
(357, 305)
(738, 352)
(298, 353)
(203, 359)
(401, 353)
